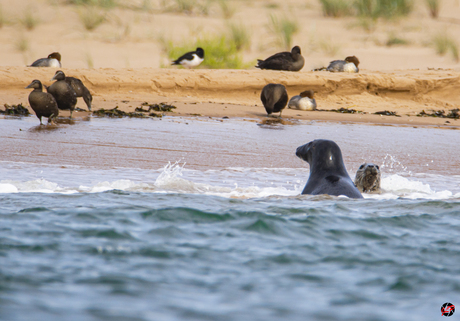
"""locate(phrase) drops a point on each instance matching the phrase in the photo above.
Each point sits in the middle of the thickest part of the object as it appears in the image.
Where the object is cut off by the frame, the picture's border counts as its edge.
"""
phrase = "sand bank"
(235, 93)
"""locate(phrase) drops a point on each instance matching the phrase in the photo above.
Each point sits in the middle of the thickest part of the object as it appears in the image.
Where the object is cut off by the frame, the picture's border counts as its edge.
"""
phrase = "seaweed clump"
(346, 111)
(158, 107)
(453, 113)
(387, 113)
(115, 112)
(15, 110)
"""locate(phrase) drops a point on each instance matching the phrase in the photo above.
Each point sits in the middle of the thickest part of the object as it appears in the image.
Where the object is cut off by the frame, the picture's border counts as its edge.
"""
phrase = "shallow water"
(119, 233)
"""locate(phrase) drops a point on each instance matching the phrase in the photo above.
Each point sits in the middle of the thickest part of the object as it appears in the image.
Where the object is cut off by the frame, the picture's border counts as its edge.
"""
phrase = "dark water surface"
(224, 237)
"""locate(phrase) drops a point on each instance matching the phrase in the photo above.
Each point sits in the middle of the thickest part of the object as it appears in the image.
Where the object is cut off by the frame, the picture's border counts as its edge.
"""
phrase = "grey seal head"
(327, 170)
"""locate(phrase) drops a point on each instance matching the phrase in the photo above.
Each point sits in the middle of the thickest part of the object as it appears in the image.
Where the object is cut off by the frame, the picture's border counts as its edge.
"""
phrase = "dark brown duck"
(80, 90)
(274, 97)
(64, 94)
(288, 61)
(43, 104)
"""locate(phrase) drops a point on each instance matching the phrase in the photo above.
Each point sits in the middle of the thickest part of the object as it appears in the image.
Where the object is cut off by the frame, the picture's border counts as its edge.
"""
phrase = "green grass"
(29, 20)
(336, 8)
(284, 28)
(100, 3)
(227, 9)
(2, 17)
(188, 7)
(444, 43)
(220, 52)
(374, 9)
(387, 9)
(91, 17)
(433, 7)
(240, 36)
(22, 43)
(393, 40)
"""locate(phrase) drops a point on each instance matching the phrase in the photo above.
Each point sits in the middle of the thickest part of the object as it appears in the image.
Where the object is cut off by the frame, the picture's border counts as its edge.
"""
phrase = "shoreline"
(235, 93)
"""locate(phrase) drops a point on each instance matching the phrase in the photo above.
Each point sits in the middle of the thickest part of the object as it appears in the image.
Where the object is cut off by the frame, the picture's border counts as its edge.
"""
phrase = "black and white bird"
(190, 59)
(53, 60)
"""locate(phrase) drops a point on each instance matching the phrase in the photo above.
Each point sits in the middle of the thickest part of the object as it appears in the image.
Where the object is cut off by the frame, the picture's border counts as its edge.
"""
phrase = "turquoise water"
(180, 242)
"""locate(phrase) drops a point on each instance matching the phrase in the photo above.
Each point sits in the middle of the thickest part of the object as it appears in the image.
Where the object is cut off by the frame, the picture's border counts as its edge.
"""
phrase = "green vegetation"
(433, 7)
(187, 6)
(394, 40)
(383, 8)
(220, 52)
(336, 8)
(284, 29)
(100, 3)
(29, 20)
(367, 8)
(240, 36)
(227, 9)
(22, 43)
(91, 17)
(443, 43)
(2, 17)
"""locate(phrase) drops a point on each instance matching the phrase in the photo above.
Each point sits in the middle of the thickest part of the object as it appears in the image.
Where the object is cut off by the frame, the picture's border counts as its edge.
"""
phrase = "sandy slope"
(235, 93)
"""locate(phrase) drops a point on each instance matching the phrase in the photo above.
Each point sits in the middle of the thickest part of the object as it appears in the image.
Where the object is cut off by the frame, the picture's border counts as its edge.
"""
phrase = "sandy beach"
(123, 61)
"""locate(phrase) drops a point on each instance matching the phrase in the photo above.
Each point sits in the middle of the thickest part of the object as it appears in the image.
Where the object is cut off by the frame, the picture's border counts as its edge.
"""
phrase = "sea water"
(219, 231)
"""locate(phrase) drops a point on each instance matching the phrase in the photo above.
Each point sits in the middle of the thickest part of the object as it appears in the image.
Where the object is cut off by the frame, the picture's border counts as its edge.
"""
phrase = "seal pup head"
(367, 178)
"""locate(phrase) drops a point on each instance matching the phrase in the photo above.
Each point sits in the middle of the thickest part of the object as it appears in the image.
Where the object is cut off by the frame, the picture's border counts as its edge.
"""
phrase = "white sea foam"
(230, 183)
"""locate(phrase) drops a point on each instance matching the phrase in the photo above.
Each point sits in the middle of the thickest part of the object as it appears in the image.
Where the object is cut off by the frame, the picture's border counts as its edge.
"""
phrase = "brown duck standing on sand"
(274, 97)
(64, 94)
(80, 90)
(53, 60)
(288, 61)
(43, 104)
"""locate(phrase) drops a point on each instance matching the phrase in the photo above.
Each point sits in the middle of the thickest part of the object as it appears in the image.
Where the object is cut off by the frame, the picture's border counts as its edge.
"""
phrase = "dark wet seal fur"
(327, 171)
(367, 178)
(64, 94)
(274, 97)
(288, 61)
(43, 104)
(80, 90)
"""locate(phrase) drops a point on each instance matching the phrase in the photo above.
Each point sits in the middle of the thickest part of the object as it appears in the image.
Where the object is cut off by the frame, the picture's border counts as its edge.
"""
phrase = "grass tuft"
(387, 9)
(91, 17)
(284, 29)
(188, 7)
(227, 9)
(29, 20)
(433, 7)
(220, 52)
(336, 8)
(393, 40)
(99, 3)
(240, 36)
(443, 43)
(22, 43)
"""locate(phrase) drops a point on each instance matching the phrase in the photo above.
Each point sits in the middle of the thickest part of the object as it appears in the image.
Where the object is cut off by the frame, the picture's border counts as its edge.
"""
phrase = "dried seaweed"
(15, 110)
(387, 113)
(159, 107)
(453, 113)
(115, 112)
